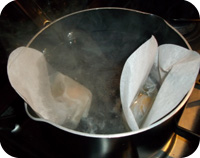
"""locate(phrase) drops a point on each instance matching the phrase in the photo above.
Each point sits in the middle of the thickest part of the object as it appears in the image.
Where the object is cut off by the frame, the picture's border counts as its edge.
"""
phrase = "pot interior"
(91, 47)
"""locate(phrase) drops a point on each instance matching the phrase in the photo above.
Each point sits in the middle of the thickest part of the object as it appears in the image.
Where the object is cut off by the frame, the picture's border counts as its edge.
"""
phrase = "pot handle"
(34, 12)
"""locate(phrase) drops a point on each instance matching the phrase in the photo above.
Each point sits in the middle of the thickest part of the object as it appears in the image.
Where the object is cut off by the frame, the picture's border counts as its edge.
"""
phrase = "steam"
(97, 66)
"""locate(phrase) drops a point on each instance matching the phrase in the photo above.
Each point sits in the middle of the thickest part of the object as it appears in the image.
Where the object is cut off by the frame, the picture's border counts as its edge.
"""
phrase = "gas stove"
(21, 136)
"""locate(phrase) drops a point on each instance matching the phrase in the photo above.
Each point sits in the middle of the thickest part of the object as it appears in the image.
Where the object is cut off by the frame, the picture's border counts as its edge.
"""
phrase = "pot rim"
(117, 135)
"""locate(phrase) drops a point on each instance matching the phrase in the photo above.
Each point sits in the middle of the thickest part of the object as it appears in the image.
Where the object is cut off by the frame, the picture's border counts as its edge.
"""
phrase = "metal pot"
(131, 28)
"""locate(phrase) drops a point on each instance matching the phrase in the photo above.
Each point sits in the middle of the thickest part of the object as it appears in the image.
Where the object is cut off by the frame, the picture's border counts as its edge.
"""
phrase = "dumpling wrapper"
(178, 69)
(175, 70)
(51, 94)
(133, 77)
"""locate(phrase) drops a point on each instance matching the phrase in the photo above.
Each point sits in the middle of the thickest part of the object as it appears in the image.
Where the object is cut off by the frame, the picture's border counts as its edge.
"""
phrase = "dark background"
(18, 24)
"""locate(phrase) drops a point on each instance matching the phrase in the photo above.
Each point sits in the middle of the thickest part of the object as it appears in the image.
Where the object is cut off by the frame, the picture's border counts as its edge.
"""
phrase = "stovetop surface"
(17, 28)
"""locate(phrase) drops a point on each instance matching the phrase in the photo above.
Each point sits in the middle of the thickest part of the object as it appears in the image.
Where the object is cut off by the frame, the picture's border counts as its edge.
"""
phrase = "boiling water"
(97, 66)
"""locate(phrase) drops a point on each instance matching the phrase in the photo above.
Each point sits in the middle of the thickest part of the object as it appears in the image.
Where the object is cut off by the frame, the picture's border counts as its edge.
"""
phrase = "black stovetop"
(21, 136)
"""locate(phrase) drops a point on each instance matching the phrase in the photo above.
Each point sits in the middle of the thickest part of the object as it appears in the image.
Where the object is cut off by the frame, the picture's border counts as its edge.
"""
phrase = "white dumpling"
(54, 97)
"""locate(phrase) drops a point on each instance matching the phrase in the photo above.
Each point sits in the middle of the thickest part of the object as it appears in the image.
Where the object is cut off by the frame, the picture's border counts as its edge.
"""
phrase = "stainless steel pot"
(131, 28)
